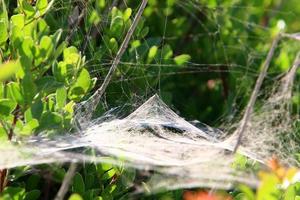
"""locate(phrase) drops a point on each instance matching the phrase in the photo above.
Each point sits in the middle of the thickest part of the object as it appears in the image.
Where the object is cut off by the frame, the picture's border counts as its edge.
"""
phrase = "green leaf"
(106, 170)
(100, 4)
(18, 20)
(33, 182)
(268, 188)
(29, 127)
(15, 92)
(81, 86)
(113, 45)
(70, 107)
(78, 184)
(32, 195)
(247, 193)
(1, 90)
(50, 120)
(107, 193)
(3, 134)
(8, 69)
(72, 63)
(46, 48)
(60, 71)
(42, 27)
(42, 6)
(93, 83)
(68, 52)
(111, 188)
(14, 193)
(6, 107)
(139, 28)
(68, 114)
(61, 97)
(127, 13)
(117, 22)
(3, 12)
(28, 115)
(182, 59)
(17, 33)
(144, 32)
(28, 9)
(59, 174)
(75, 197)
(28, 51)
(3, 32)
(292, 191)
(167, 52)
(37, 109)
(47, 84)
(56, 36)
(152, 53)
(28, 89)
(59, 49)
(94, 18)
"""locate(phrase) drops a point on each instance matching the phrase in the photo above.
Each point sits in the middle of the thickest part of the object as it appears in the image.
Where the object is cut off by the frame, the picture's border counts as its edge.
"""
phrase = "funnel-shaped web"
(178, 154)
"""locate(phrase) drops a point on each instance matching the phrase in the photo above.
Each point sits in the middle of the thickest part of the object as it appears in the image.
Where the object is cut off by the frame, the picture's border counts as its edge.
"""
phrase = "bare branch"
(91, 104)
(259, 81)
(66, 182)
(290, 76)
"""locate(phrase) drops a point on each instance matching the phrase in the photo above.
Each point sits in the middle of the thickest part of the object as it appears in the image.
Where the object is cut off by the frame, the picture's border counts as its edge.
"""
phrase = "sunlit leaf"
(61, 97)
(127, 13)
(3, 32)
(8, 69)
(81, 86)
(182, 59)
(28, 9)
(75, 197)
(6, 107)
(50, 120)
(42, 6)
(152, 53)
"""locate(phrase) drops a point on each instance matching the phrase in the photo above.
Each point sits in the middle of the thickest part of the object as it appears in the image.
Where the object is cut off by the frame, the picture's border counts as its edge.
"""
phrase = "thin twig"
(289, 78)
(66, 182)
(95, 98)
(4, 172)
(75, 20)
(255, 92)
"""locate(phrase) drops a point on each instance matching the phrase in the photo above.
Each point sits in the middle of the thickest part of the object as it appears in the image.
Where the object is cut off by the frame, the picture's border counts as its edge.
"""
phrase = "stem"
(259, 81)
(93, 101)
(66, 182)
(289, 78)
(3, 179)
(4, 172)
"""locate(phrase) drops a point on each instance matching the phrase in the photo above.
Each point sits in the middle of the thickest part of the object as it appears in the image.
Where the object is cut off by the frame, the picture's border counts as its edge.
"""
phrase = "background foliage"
(200, 56)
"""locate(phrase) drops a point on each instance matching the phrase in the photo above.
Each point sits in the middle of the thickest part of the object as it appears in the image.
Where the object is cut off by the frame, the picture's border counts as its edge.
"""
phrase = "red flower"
(204, 195)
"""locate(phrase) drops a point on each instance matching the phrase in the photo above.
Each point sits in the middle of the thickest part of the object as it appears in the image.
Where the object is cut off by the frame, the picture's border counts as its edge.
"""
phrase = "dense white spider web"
(153, 137)
(177, 153)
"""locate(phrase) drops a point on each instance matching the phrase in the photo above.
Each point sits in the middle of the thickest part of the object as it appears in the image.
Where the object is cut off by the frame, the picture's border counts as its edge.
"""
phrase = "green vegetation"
(54, 54)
